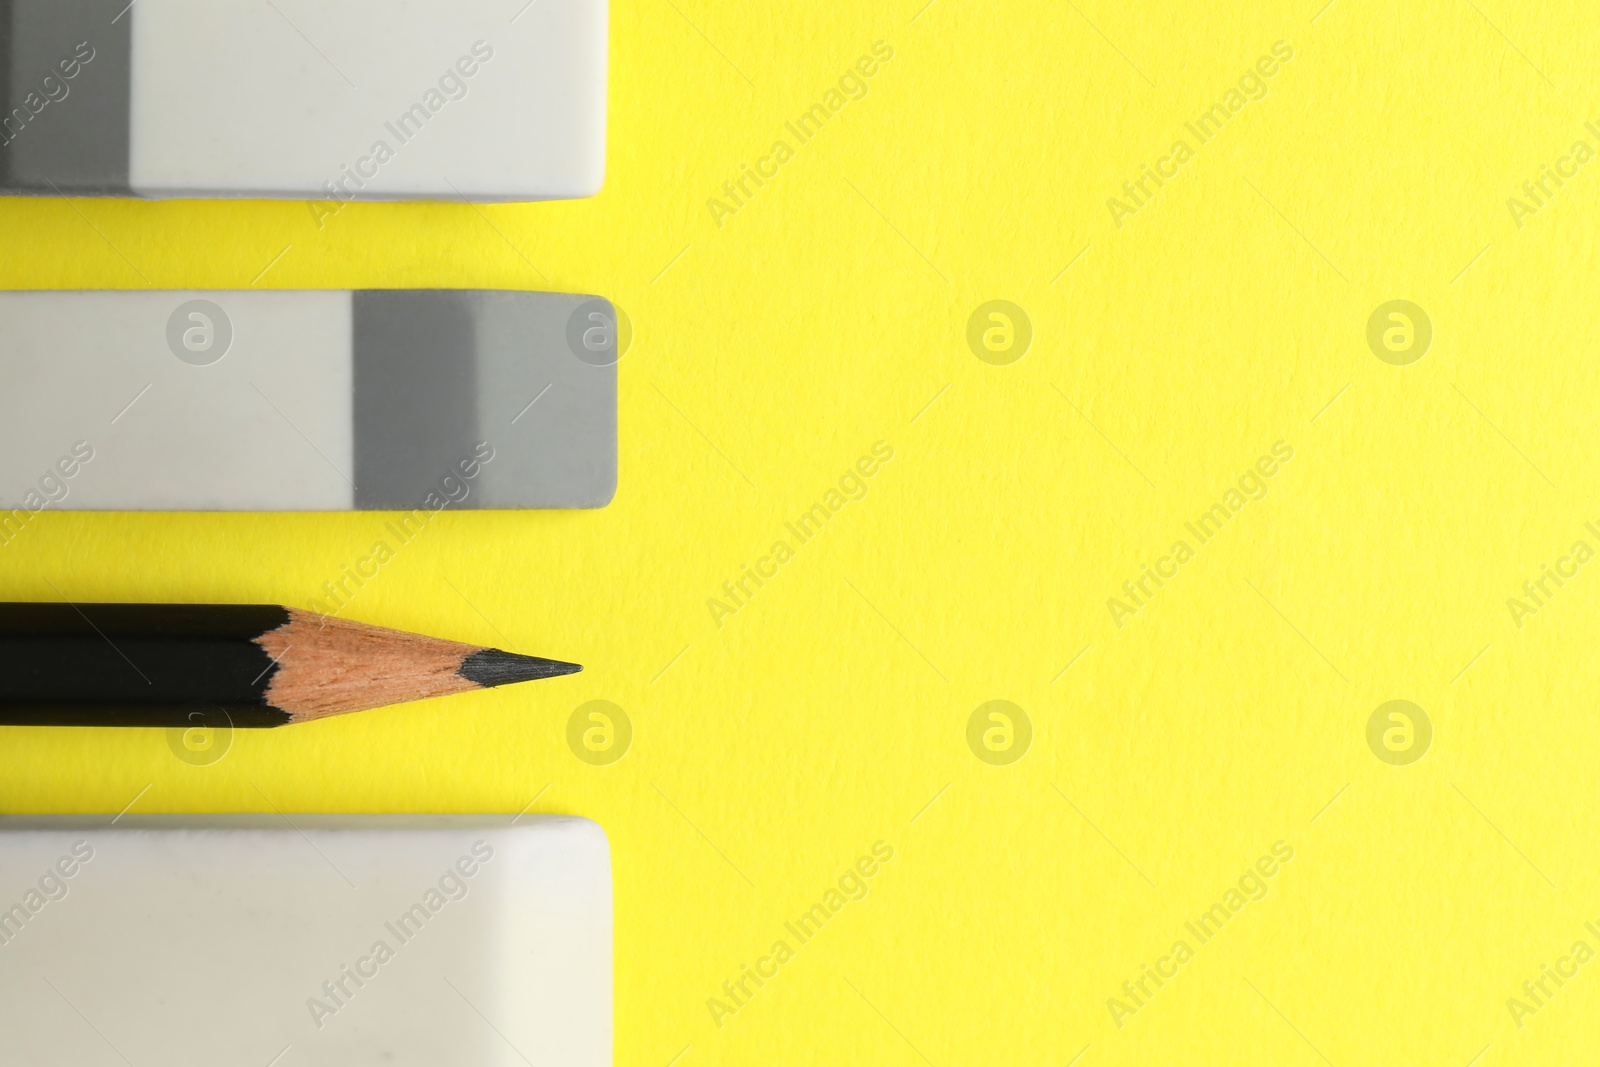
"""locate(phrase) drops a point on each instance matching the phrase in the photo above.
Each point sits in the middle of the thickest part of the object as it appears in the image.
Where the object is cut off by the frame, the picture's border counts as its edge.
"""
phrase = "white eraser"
(305, 940)
(327, 100)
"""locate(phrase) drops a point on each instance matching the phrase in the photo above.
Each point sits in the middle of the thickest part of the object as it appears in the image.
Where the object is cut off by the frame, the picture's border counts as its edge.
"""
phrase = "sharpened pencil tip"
(492, 667)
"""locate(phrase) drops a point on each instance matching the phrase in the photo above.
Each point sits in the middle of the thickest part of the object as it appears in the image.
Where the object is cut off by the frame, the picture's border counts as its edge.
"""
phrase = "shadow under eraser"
(305, 400)
(327, 100)
(334, 941)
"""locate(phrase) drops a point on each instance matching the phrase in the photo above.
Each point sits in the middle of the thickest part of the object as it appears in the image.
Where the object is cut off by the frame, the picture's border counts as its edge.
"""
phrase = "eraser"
(310, 400)
(322, 100)
(305, 940)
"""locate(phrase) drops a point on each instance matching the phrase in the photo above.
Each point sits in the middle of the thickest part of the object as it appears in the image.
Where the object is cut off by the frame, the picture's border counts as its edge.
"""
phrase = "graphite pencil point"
(492, 667)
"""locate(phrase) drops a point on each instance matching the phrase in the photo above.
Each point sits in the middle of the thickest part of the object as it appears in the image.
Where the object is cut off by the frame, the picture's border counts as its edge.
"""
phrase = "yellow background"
(829, 313)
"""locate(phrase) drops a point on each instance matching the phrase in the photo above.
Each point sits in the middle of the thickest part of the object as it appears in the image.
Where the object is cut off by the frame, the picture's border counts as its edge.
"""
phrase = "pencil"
(241, 665)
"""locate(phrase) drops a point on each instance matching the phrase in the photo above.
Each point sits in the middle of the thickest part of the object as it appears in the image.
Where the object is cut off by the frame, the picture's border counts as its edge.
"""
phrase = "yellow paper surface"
(1176, 340)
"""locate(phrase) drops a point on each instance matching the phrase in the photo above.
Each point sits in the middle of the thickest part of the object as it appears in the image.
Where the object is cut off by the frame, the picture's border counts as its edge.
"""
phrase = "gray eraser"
(309, 400)
(327, 100)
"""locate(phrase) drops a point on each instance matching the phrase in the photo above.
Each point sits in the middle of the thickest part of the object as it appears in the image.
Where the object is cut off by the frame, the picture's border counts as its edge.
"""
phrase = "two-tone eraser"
(311, 400)
(325, 100)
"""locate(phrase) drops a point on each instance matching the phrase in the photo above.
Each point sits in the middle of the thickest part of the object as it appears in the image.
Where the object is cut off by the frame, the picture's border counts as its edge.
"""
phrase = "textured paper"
(830, 712)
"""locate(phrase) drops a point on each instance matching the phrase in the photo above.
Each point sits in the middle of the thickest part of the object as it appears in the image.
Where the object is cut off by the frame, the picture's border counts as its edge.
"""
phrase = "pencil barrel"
(147, 665)
(212, 716)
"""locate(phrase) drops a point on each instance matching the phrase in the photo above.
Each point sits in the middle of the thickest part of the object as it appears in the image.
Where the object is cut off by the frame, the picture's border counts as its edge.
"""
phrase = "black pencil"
(240, 665)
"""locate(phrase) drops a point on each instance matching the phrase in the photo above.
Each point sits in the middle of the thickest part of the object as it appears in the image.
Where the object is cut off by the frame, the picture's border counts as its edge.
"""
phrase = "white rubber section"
(368, 99)
(337, 941)
(98, 411)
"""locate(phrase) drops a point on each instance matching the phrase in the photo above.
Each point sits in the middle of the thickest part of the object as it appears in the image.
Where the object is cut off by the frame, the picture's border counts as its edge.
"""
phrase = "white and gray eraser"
(322, 100)
(338, 941)
(305, 400)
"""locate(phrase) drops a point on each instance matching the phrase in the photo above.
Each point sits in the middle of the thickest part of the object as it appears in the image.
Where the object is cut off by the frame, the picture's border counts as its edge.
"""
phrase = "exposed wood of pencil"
(239, 665)
(328, 666)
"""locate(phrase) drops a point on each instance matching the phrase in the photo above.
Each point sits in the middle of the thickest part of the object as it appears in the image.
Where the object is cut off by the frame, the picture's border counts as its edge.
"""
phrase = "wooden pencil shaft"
(221, 665)
(150, 664)
(171, 621)
(175, 716)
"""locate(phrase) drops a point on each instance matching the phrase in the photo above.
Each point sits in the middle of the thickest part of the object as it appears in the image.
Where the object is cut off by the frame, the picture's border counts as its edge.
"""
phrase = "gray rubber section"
(476, 397)
(416, 394)
(65, 67)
